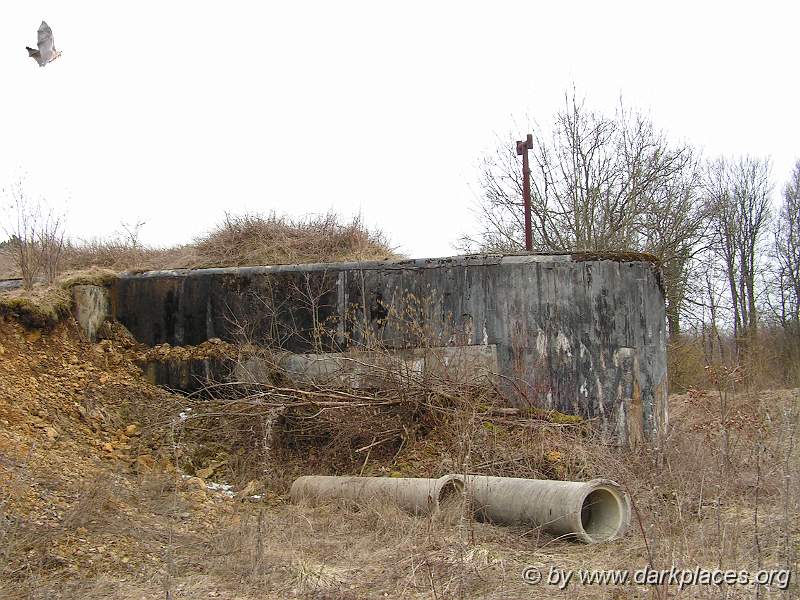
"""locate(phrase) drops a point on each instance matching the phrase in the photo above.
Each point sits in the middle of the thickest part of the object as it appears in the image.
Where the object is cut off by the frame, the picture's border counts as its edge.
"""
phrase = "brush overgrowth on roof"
(253, 239)
(239, 240)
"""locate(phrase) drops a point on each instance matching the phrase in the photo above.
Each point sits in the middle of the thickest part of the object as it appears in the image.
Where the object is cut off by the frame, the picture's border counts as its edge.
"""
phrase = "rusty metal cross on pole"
(522, 150)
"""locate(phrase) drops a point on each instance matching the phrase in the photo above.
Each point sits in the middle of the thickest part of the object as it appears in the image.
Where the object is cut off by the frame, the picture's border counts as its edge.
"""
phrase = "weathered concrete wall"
(187, 375)
(583, 334)
(92, 308)
(6, 285)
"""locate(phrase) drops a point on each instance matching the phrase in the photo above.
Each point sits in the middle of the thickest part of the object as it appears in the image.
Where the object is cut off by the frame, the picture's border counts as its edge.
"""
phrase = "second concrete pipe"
(593, 511)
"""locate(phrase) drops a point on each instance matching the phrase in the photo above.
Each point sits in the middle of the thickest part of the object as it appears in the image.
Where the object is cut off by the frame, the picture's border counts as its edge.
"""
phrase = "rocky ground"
(104, 495)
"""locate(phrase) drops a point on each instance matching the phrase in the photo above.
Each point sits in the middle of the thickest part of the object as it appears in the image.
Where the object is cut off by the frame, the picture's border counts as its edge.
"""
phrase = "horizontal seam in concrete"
(401, 265)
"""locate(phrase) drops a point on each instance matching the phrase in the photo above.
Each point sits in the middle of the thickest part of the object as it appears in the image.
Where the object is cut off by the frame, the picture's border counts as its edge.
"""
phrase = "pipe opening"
(451, 500)
(601, 515)
(451, 491)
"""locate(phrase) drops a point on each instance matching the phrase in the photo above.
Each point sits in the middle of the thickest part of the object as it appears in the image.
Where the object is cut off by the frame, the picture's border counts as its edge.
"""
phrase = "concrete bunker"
(581, 333)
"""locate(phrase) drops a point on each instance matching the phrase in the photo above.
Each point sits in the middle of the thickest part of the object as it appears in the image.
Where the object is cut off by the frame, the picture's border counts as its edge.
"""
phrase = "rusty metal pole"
(522, 150)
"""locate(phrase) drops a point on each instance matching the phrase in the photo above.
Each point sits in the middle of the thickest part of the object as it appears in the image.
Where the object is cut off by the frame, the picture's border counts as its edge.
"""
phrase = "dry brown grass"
(8, 267)
(120, 256)
(702, 501)
(770, 359)
(249, 239)
(40, 308)
(699, 503)
(721, 489)
(253, 239)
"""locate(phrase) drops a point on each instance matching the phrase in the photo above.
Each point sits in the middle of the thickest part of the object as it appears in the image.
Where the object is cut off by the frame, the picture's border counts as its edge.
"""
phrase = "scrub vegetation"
(238, 240)
(115, 488)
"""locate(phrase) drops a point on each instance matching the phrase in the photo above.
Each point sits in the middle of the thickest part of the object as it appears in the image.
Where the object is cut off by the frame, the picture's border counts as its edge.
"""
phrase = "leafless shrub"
(23, 242)
(36, 237)
(51, 242)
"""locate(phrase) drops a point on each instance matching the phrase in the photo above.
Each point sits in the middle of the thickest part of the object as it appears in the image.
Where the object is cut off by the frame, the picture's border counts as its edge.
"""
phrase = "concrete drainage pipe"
(415, 495)
(594, 511)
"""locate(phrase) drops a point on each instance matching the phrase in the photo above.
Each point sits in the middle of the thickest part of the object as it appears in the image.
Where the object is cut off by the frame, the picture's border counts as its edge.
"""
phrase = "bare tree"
(785, 299)
(589, 183)
(673, 226)
(739, 195)
(599, 183)
(782, 281)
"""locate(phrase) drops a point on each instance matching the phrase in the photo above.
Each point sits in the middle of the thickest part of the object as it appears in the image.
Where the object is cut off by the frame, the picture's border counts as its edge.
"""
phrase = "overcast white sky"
(173, 112)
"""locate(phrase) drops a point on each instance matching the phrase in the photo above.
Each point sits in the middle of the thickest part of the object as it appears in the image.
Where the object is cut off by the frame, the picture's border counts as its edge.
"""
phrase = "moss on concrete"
(555, 417)
(44, 306)
(37, 309)
(93, 276)
(617, 256)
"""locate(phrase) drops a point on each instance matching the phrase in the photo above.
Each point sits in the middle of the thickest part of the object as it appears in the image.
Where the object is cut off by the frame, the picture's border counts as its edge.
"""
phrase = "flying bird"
(47, 51)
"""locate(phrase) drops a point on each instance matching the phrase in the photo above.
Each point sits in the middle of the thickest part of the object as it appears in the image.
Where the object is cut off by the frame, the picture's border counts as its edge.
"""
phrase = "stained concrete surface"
(582, 334)
(91, 308)
(372, 369)
(7, 285)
